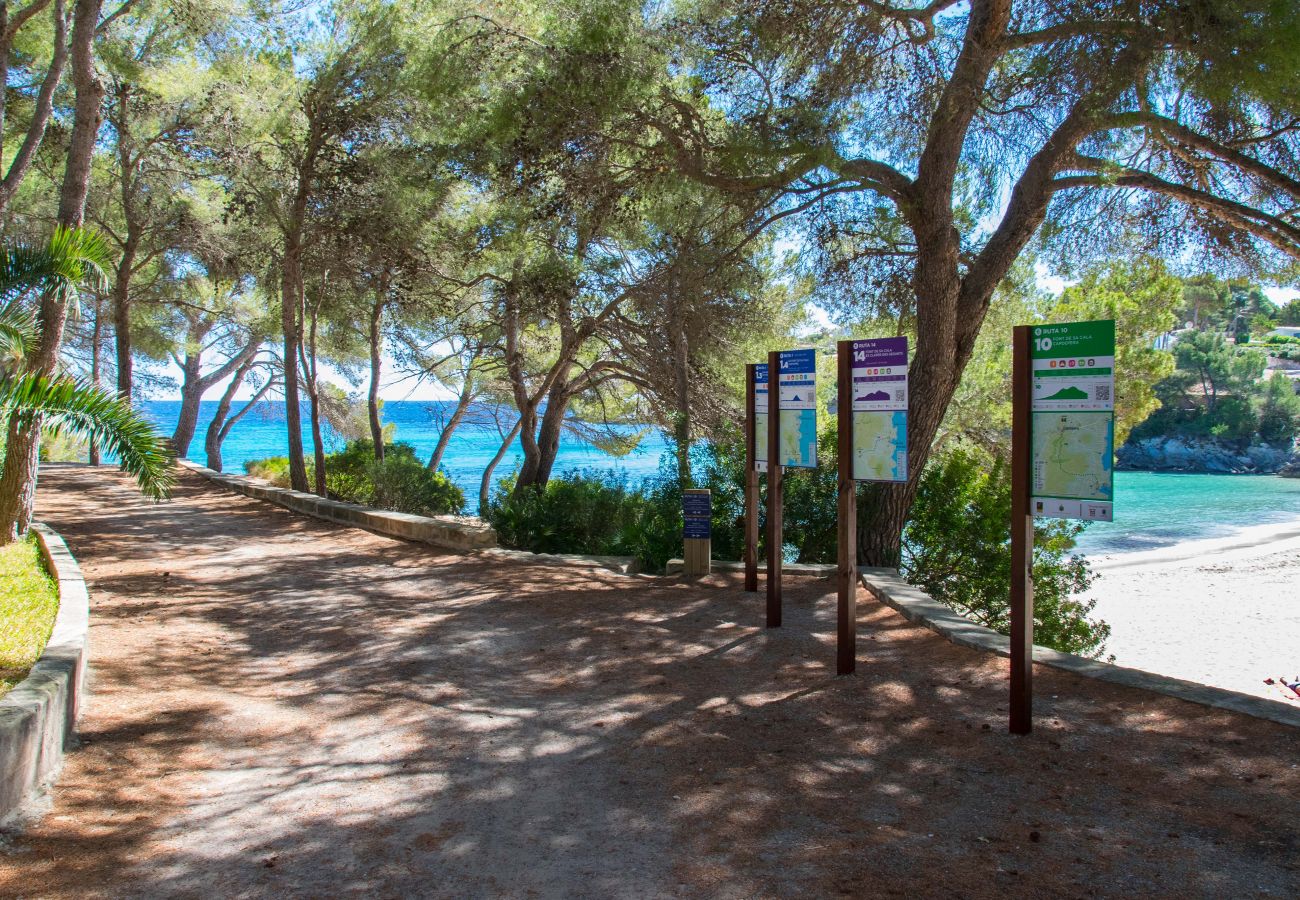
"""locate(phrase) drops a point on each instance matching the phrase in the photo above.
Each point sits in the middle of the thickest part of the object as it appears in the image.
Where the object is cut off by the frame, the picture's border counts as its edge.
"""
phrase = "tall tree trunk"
(191, 399)
(457, 416)
(548, 436)
(525, 403)
(313, 388)
(18, 481)
(96, 338)
(372, 400)
(682, 420)
(485, 484)
(127, 163)
(290, 287)
(120, 297)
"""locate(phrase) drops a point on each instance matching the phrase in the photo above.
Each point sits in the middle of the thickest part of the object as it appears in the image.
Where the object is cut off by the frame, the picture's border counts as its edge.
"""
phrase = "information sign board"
(760, 417)
(797, 383)
(879, 371)
(697, 513)
(1073, 420)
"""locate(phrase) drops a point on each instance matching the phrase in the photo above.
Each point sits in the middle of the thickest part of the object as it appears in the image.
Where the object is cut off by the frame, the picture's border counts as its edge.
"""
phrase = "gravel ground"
(285, 708)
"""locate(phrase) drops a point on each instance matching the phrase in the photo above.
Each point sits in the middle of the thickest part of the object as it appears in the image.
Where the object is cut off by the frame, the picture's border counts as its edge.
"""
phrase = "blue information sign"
(697, 528)
(697, 510)
(797, 384)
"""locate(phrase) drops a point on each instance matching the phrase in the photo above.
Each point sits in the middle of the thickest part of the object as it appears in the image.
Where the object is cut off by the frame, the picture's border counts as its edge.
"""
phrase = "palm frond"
(17, 333)
(67, 405)
(74, 258)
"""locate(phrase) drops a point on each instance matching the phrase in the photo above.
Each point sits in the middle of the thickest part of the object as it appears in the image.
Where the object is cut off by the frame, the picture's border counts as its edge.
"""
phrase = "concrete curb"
(38, 717)
(620, 565)
(822, 570)
(440, 531)
(917, 606)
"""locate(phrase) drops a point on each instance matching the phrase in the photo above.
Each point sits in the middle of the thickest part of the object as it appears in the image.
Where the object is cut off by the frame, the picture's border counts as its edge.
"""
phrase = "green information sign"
(1073, 420)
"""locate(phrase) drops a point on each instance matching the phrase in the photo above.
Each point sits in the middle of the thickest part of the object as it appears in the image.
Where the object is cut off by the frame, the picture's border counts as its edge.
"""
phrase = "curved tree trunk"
(548, 436)
(217, 436)
(191, 397)
(212, 438)
(44, 98)
(485, 484)
(457, 416)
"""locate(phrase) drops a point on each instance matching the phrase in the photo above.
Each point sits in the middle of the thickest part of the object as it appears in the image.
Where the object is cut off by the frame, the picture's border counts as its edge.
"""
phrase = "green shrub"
(274, 469)
(957, 548)
(582, 512)
(401, 483)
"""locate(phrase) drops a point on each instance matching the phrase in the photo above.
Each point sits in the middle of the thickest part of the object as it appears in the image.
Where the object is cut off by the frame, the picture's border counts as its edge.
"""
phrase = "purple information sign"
(880, 374)
(879, 412)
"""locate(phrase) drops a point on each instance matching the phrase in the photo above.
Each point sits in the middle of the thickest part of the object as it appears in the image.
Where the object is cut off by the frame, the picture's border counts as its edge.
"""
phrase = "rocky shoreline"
(1175, 454)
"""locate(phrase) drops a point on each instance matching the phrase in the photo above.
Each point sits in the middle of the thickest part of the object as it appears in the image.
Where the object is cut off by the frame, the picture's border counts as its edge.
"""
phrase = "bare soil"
(286, 708)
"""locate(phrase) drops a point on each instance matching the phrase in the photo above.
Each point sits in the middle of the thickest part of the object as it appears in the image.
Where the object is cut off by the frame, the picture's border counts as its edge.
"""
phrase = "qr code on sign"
(1101, 393)
(899, 397)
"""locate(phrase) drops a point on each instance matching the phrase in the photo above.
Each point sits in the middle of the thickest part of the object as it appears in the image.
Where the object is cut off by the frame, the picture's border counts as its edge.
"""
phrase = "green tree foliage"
(1142, 298)
(930, 145)
(957, 548)
(1279, 413)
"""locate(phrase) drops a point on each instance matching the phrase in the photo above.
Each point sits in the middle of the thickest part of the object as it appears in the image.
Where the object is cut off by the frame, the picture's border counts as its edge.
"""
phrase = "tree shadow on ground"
(349, 714)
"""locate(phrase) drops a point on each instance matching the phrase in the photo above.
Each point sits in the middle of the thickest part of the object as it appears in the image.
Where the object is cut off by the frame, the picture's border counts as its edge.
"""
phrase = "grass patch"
(29, 601)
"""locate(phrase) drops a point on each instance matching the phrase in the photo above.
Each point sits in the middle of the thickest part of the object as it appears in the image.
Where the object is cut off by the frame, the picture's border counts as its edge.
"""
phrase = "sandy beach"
(1224, 611)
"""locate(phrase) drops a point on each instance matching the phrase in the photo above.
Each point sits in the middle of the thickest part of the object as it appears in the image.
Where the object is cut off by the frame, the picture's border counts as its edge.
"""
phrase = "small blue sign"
(697, 510)
(697, 528)
(697, 505)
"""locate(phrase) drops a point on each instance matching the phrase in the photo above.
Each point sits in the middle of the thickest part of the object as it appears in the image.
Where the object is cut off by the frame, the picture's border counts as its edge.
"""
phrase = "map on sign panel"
(880, 446)
(879, 373)
(1072, 455)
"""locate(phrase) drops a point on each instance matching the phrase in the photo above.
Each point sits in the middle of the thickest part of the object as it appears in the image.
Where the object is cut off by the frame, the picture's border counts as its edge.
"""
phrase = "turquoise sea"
(1151, 510)
(262, 433)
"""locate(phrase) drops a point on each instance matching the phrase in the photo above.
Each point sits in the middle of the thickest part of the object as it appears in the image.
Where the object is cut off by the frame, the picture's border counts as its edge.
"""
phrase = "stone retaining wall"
(37, 718)
(440, 531)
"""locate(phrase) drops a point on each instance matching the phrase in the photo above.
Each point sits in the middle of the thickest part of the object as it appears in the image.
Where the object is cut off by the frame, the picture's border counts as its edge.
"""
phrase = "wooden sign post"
(775, 529)
(697, 515)
(1062, 460)
(872, 430)
(846, 573)
(791, 442)
(751, 478)
(1022, 537)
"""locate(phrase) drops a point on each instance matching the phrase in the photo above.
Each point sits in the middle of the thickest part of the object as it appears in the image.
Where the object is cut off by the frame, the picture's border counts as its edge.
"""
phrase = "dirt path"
(285, 708)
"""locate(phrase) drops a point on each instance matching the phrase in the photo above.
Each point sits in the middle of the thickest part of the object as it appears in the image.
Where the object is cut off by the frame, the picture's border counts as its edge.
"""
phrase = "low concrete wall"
(440, 531)
(38, 716)
(820, 570)
(917, 606)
